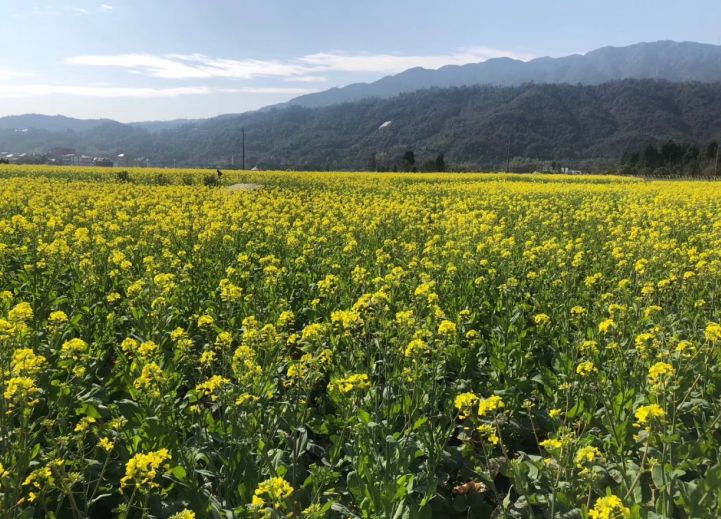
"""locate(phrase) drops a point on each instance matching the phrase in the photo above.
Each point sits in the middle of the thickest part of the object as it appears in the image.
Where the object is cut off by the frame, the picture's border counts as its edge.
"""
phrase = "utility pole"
(243, 148)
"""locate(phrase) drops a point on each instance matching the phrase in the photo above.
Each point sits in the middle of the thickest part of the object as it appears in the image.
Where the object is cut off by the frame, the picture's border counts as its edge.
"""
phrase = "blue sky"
(136, 60)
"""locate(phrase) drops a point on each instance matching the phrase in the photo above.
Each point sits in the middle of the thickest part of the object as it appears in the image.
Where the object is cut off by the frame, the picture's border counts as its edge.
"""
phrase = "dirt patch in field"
(245, 187)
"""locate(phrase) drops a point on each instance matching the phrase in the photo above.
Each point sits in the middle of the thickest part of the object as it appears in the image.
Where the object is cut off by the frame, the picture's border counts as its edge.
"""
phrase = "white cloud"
(106, 7)
(80, 10)
(193, 66)
(6, 75)
(307, 79)
(305, 68)
(267, 90)
(34, 90)
(393, 63)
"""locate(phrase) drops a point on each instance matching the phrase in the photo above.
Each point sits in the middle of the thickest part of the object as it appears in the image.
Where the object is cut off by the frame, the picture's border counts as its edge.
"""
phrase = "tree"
(409, 157)
(711, 150)
(440, 162)
(408, 161)
(372, 162)
(651, 158)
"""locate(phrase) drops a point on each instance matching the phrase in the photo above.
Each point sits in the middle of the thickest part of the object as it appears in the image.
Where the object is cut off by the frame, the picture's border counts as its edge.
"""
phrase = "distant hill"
(60, 123)
(474, 127)
(157, 126)
(667, 60)
(51, 123)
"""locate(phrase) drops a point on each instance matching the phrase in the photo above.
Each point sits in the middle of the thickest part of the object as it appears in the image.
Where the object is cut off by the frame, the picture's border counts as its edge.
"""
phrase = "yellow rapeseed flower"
(447, 328)
(142, 470)
(586, 368)
(609, 507)
(587, 455)
(271, 491)
(646, 413)
(660, 373)
(490, 404)
(355, 382)
(464, 403)
(606, 325)
(713, 332)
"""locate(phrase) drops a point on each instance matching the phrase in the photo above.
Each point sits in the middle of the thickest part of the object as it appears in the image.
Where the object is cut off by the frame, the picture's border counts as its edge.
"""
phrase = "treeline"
(673, 159)
(407, 163)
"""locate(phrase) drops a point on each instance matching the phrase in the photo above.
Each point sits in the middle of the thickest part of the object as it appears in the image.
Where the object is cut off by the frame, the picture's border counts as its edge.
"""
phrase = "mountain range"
(582, 109)
(669, 60)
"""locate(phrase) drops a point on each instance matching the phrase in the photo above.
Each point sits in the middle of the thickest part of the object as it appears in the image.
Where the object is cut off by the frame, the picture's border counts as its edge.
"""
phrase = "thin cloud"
(266, 90)
(193, 66)
(305, 69)
(307, 79)
(6, 75)
(393, 63)
(106, 7)
(34, 90)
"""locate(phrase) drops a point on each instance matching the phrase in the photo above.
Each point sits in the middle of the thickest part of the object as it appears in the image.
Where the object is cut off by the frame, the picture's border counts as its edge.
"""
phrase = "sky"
(142, 60)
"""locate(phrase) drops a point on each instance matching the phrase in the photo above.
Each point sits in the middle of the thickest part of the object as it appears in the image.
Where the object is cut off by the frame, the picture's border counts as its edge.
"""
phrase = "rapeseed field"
(358, 345)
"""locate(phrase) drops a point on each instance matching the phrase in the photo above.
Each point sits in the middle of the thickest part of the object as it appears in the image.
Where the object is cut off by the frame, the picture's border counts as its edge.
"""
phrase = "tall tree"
(440, 162)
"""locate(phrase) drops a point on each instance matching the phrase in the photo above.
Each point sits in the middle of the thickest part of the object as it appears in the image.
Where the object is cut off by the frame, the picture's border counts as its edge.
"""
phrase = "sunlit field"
(358, 345)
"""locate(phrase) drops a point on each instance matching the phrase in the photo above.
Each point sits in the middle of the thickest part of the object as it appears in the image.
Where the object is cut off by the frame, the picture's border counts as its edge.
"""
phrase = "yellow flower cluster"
(587, 455)
(212, 386)
(660, 373)
(609, 507)
(21, 390)
(355, 382)
(143, 468)
(271, 491)
(646, 413)
(490, 405)
(586, 368)
(26, 362)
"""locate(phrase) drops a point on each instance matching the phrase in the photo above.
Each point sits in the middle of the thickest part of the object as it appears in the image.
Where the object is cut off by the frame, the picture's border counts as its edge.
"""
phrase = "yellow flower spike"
(25, 362)
(584, 369)
(660, 373)
(142, 470)
(551, 444)
(106, 444)
(587, 455)
(447, 328)
(205, 321)
(84, 424)
(57, 318)
(648, 413)
(489, 405)
(183, 514)
(464, 403)
(713, 332)
(19, 390)
(606, 326)
(355, 382)
(22, 312)
(609, 507)
(272, 491)
(212, 386)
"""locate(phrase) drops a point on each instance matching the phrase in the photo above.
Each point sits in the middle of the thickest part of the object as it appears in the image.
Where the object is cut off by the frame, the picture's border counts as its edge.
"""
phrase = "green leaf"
(179, 472)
